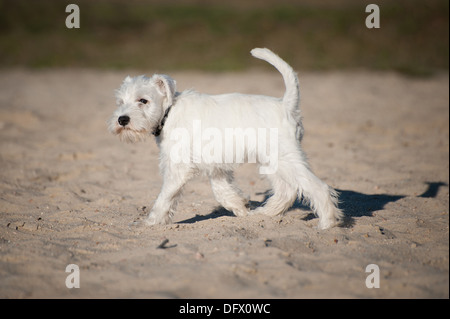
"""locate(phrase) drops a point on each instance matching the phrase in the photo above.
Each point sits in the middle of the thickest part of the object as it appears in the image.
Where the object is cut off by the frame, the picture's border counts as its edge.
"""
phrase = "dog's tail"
(291, 97)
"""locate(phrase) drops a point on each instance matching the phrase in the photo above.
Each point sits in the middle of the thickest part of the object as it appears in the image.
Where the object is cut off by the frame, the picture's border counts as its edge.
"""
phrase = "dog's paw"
(327, 223)
(264, 211)
(154, 219)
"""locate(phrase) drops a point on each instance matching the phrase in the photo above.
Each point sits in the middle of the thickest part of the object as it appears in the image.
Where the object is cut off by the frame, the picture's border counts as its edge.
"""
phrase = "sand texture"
(69, 191)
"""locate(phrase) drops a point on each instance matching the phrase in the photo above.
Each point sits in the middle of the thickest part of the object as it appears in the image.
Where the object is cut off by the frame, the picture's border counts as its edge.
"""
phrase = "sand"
(69, 191)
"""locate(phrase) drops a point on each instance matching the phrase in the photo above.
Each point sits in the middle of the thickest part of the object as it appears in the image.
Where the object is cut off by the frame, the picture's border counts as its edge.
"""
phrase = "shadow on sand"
(353, 204)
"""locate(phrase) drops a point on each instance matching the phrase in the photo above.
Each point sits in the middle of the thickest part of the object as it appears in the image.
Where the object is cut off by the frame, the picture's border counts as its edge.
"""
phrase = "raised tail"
(291, 98)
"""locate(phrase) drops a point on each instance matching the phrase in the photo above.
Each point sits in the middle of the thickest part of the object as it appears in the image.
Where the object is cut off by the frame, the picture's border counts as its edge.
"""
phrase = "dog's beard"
(128, 135)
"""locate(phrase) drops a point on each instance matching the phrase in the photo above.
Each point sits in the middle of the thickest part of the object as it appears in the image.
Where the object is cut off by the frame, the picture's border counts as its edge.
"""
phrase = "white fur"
(292, 178)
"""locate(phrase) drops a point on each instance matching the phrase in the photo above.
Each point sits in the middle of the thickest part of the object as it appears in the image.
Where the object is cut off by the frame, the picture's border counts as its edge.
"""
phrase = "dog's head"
(141, 105)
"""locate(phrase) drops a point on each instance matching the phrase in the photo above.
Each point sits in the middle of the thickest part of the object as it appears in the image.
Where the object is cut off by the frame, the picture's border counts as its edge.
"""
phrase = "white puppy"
(211, 134)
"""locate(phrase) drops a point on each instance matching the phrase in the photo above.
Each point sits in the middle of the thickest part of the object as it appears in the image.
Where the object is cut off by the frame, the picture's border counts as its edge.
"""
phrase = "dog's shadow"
(353, 204)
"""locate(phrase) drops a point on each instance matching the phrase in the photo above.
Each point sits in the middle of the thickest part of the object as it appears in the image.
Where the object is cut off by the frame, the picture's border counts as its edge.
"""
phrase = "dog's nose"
(124, 120)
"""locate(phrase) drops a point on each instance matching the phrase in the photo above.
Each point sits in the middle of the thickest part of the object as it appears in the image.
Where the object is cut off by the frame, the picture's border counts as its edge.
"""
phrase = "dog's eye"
(143, 101)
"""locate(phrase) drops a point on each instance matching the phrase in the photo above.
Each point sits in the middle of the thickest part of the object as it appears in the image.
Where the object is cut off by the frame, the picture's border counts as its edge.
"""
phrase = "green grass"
(413, 37)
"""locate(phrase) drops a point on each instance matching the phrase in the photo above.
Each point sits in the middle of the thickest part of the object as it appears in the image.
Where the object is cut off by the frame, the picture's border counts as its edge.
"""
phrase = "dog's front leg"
(165, 205)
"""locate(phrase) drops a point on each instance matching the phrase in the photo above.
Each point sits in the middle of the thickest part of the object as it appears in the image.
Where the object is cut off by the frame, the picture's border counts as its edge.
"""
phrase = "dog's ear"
(166, 86)
(127, 80)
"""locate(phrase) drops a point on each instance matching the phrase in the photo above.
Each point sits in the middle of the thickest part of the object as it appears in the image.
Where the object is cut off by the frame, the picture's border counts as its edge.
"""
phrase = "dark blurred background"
(218, 35)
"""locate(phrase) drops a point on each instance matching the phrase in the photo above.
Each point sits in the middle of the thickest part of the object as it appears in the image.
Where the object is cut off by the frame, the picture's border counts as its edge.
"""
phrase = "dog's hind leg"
(228, 194)
(284, 193)
(294, 178)
(321, 198)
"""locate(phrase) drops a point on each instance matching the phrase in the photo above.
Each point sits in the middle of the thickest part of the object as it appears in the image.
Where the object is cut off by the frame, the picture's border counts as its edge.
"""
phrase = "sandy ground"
(69, 190)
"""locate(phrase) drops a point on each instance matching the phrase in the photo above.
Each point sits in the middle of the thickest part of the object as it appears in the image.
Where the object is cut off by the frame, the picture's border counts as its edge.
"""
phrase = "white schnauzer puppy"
(236, 128)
